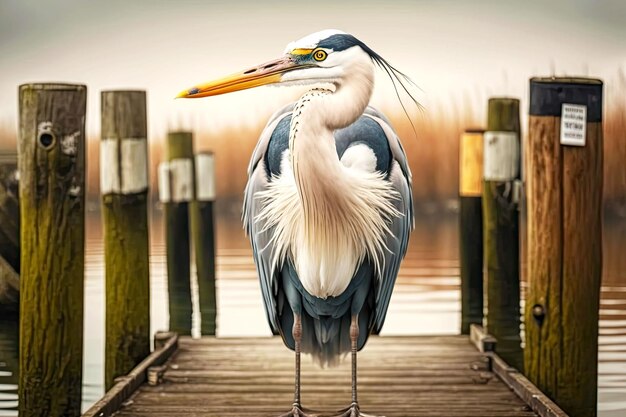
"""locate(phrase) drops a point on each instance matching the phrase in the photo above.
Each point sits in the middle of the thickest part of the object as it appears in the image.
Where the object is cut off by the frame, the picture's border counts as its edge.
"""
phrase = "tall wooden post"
(9, 234)
(471, 228)
(124, 189)
(203, 235)
(9, 288)
(501, 227)
(52, 208)
(9, 215)
(564, 240)
(176, 190)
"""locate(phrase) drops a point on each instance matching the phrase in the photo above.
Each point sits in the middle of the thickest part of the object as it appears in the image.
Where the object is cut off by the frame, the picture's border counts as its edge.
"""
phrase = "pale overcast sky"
(452, 49)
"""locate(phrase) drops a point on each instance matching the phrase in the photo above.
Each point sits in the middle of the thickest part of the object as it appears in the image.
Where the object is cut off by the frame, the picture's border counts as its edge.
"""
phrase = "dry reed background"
(433, 154)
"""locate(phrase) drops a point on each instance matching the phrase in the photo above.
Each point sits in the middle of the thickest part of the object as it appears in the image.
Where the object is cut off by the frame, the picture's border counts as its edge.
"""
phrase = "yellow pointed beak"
(268, 73)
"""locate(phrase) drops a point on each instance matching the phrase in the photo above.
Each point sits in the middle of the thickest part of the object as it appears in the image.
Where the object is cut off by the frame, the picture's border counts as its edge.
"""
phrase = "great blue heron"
(328, 204)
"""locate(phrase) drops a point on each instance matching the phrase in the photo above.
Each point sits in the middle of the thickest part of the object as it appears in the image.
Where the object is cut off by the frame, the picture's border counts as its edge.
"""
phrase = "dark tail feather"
(329, 341)
(324, 337)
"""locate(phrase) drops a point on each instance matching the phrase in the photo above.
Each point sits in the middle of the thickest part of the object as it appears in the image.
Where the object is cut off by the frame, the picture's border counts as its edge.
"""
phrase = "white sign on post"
(573, 124)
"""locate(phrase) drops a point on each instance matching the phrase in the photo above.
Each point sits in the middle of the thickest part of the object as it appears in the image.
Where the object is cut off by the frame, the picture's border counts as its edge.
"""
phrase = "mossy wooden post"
(124, 189)
(9, 288)
(564, 240)
(9, 233)
(9, 211)
(471, 228)
(176, 190)
(501, 191)
(203, 235)
(52, 208)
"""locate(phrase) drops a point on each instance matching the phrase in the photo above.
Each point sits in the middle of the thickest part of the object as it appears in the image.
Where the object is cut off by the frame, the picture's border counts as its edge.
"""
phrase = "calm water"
(426, 300)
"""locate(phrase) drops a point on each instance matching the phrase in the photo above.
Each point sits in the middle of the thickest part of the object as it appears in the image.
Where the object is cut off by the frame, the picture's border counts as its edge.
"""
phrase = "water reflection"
(612, 342)
(426, 300)
(9, 355)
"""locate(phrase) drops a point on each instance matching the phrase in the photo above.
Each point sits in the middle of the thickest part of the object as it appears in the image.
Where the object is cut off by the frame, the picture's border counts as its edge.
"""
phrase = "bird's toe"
(353, 411)
(298, 411)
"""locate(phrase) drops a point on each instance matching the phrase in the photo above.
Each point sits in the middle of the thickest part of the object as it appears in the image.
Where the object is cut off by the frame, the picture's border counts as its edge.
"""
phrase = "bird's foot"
(299, 411)
(353, 411)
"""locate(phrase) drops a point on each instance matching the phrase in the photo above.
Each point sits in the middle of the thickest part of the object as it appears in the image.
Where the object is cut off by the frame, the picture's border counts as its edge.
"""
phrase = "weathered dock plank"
(398, 377)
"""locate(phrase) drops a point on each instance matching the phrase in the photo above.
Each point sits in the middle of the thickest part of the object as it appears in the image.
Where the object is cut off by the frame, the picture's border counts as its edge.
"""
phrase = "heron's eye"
(319, 55)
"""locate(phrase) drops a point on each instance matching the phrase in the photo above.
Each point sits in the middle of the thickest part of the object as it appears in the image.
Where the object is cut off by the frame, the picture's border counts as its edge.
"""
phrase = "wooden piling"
(52, 208)
(501, 227)
(176, 191)
(9, 212)
(124, 189)
(203, 235)
(9, 233)
(9, 288)
(470, 228)
(564, 240)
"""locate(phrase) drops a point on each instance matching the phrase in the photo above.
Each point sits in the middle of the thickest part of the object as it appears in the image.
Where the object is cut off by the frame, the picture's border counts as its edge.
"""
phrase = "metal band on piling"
(205, 176)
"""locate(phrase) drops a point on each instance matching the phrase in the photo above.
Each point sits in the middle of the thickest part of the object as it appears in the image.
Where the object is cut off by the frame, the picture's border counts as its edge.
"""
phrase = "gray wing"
(398, 238)
(266, 135)
(260, 237)
(397, 151)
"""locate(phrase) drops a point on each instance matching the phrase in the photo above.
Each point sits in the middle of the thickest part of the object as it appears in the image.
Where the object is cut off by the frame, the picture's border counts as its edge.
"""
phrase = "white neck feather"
(337, 215)
(316, 116)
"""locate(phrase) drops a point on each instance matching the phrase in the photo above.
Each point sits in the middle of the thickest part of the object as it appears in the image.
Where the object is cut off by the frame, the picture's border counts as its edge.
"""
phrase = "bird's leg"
(297, 410)
(353, 410)
(354, 338)
(297, 337)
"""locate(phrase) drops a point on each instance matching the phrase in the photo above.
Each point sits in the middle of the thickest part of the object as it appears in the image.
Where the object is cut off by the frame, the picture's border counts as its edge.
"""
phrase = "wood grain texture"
(565, 264)
(398, 377)
(165, 344)
(52, 209)
(537, 400)
(545, 253)
(582, 272)
(126, 243)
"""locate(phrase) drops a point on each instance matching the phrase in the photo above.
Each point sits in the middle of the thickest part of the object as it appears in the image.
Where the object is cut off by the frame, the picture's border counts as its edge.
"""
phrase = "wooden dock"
(444, 376)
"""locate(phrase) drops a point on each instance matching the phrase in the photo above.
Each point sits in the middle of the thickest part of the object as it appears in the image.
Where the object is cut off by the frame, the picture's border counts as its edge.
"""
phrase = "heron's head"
(322, 57)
